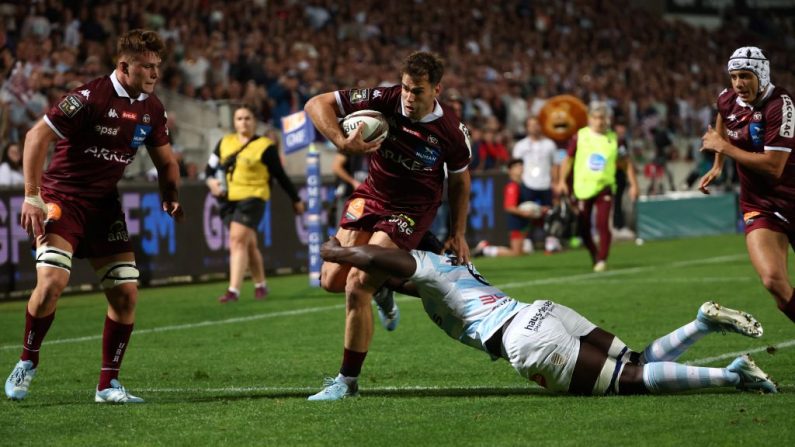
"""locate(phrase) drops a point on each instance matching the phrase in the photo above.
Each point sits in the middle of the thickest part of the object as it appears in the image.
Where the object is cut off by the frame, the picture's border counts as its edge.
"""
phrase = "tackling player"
(549, 343)
(97, 130)
(756, 128)
(396, 204)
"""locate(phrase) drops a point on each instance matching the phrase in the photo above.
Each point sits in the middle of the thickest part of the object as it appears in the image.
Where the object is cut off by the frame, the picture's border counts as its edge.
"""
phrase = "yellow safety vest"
(248, 178)
(594, 162)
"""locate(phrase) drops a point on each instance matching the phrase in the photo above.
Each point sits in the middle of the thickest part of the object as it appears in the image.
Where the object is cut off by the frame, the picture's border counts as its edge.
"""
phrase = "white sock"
(233, 290)
(346, 379)
(260, 284)
(671, 346)
(663, 377)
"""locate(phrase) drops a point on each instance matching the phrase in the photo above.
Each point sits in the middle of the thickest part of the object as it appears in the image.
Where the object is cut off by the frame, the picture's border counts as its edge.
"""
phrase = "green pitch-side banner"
(687, 214)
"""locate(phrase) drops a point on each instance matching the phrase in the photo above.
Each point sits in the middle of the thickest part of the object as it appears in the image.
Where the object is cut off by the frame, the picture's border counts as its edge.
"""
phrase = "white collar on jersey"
(436, 114)
(122, 92)
(767, 94)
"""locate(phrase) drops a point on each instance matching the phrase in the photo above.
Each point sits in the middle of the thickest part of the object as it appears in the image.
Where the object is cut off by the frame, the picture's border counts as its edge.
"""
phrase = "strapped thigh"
(117, 273)
(48, 256)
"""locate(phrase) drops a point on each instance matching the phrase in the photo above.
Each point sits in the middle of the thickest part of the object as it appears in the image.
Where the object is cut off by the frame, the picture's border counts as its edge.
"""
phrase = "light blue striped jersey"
(460, 300)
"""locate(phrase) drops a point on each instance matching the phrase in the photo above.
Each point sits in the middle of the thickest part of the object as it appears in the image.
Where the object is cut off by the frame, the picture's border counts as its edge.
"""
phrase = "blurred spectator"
(11, 166)
(497, 69)
(492, 152)
(540, 173)
(519, 212)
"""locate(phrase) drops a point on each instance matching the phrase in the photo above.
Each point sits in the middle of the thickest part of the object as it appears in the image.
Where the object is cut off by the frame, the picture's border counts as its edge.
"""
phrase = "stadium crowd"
(504, 59)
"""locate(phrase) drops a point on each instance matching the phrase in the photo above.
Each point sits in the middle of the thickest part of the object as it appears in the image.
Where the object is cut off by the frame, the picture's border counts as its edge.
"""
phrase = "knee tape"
(47, 256)
(607, 382)
(116, 273)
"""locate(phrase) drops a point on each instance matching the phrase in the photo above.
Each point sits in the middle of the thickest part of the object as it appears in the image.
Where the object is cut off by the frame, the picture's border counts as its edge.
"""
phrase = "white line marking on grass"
(706, 279)
(619, 272)
(555, 280)
(309, 389)
(731, 355)
(179, 327)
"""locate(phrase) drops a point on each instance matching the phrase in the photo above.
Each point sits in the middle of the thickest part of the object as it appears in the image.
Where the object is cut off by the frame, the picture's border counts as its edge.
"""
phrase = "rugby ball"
(534, 209)
(375, 126)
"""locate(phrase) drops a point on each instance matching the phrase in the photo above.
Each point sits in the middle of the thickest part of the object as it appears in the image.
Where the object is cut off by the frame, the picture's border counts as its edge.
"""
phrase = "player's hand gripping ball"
(375, 128)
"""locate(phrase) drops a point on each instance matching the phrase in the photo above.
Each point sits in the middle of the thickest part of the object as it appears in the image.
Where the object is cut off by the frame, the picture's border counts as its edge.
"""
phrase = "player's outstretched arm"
(37, 143)
(459, 191)
(168, 179)
(370, 258)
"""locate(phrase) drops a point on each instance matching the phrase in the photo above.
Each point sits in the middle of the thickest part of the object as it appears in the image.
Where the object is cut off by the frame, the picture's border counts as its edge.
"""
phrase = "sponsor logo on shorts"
(70, 105)
(106, 130)
(535, 321)
(359, 95)
(787, 129)
(355, 209)
(118, 232)
(750, 217)
(557, 359)
(403, 223)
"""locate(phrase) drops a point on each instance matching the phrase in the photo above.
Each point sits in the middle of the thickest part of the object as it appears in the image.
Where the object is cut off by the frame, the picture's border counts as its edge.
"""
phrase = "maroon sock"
(115, 338)
(352, 362)
(789, 308)
(35, 330)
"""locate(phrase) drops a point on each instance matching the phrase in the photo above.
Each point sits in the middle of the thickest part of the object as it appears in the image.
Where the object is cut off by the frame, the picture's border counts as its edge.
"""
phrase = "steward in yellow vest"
(595, 162)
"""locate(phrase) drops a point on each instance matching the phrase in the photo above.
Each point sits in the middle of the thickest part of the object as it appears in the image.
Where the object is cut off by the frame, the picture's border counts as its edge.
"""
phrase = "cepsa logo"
(106, 130)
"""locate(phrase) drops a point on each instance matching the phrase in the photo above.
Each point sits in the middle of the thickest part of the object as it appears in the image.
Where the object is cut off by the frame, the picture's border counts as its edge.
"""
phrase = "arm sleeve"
(780, 129)
(511, 195)
(270, 158)
(70, 115)
(214, 163)
(382, 99)
(159, 135)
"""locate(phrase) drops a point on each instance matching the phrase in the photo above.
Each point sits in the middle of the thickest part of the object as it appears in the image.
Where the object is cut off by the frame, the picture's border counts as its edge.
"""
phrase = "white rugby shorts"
(543, 341)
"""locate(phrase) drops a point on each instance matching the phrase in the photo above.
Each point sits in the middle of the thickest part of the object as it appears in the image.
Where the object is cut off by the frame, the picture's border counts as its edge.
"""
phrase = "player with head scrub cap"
(755, 127)
(97, 129)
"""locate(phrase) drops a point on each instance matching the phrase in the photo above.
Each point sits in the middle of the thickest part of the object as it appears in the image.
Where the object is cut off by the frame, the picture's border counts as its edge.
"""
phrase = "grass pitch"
(239, 374)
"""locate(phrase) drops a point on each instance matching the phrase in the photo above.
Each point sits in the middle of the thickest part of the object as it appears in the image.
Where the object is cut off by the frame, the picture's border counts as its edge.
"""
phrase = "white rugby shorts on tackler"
(543, 341)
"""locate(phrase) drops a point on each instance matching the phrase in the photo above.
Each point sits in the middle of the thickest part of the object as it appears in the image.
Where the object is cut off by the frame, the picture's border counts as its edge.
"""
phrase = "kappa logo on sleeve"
(70, 105)
(359, 95)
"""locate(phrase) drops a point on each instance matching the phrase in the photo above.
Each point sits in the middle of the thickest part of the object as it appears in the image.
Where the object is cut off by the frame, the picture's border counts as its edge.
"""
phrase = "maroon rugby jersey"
(407, 172)
(769, 126)
(101, 128)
